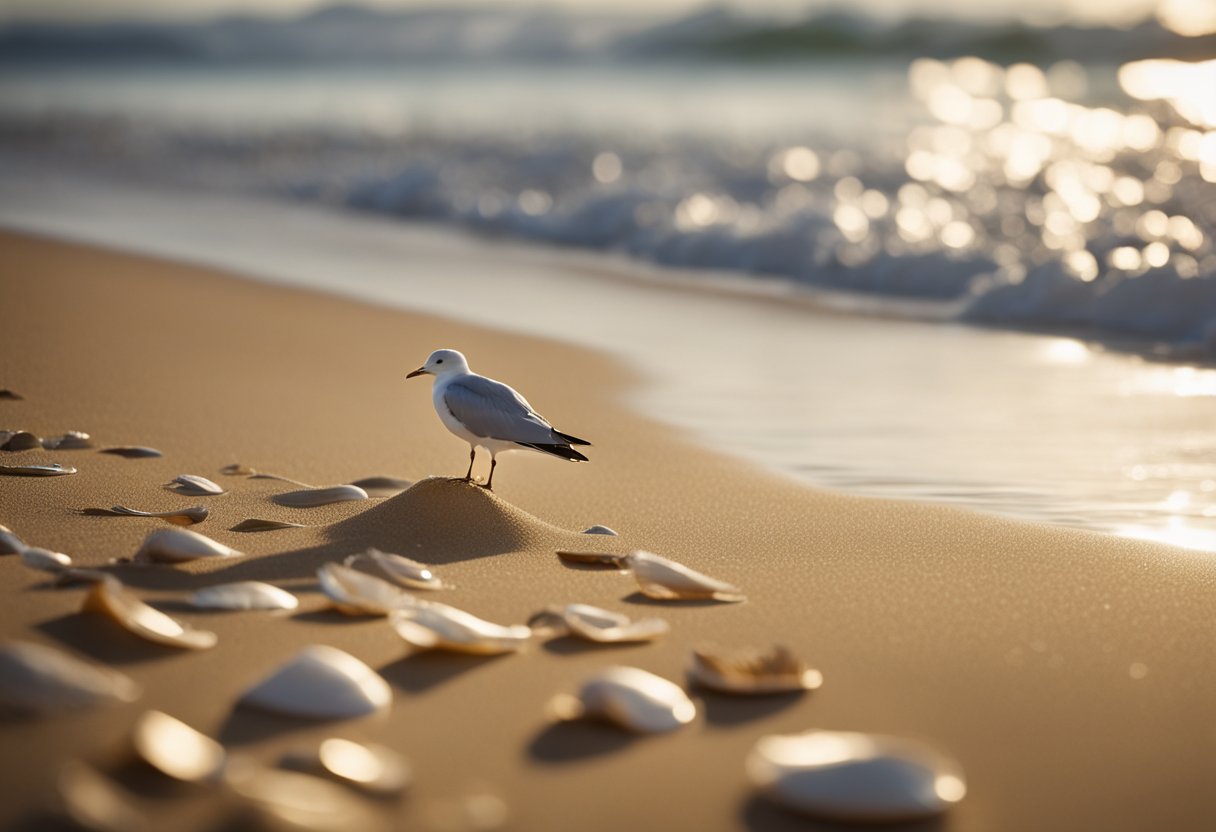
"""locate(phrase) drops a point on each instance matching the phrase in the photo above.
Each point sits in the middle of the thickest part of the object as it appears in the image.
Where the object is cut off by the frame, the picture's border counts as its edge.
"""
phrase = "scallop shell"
(44, 560)
(194, 485)
(132, 451)
(376, 769)
(313, 497)
(178, 516)
(667, 580)
(255, 524)
(432, 626)
(37, 678)
(21, 440)
(244, 595)
(382, 486)
(611, 559)
(290, 800)
(358, 593)
(180, 545)
(55, 470)
(10, 544)
(110, 598)
(70, 441)
(95, 803)
(634, 699)
(174, 748)
(400, 570)
(599, 625)
(598, 529)
(321, 682)
(855, 777)
(753, 672)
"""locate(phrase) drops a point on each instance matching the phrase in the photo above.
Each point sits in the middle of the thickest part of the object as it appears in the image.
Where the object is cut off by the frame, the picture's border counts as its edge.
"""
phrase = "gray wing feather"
(493, 410)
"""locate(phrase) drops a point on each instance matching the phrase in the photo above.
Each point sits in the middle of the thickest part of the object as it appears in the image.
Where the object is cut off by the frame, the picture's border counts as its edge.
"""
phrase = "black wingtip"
(564, 451)
(573, 440)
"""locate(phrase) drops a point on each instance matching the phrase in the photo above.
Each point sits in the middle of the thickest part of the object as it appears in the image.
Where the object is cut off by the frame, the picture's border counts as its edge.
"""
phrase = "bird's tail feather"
(564, 451)
(573, 440)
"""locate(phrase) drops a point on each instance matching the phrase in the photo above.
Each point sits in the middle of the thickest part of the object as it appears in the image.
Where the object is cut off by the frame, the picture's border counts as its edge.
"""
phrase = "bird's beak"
(421, 371)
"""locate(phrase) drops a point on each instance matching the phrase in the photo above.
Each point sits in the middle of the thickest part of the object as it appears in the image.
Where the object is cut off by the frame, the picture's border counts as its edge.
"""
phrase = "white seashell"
(244, 595)
(600, 625)
(598, 558)
(179, 545)
(598, 529)
(372, 768)
(10, 544)
(110, 598)
(178, 517)
(95, 803)
(382, 486)
(753, 672)
(631, 698)
(21, 440)
(55, 470)
(70, 441)
(358, 593)
(254, 524)
(44, 560)
(667, 580)
(313, 497)
(291, 800)
(132, 451)
(194, 485)
(855, 777)
(174, 748)
(41, 679)
(434, 626)
(400, 570)
(321, 682)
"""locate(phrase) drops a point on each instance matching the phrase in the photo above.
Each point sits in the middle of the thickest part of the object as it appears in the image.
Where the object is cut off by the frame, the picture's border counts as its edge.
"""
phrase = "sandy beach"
(1070, 673)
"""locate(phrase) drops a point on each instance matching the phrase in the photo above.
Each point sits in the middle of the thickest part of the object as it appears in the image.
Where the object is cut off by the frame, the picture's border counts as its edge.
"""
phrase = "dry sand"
(1072, 674)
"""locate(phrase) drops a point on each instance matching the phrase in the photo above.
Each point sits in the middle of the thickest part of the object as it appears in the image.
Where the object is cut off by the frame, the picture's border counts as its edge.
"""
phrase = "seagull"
(489, 414)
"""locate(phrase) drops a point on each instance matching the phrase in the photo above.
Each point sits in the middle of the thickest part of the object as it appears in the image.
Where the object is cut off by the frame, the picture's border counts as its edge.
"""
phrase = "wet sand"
(1070, 673)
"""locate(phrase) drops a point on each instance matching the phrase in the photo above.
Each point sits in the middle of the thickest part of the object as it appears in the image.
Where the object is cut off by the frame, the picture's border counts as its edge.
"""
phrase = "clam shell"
(313, 497)
(244, 595)
(598, 529)
(174, 748)
(194, 485)
(855, 777)
(178, 516)
(55, 470)
(634, 699)
(179, 545)
(358, 593)
(110, 598)
(21, 440)
(321, 682)
(132, 451)
(290, 800)
(70, 441)
(44, 560)
(10, 544)
(611, 559)
(382, 486)
(372, 768)
(599, 625)
(254, 524)
(400, 570)
(432, 626)
(753, 671)
(41, 679)
(667, 580)
(95, 803)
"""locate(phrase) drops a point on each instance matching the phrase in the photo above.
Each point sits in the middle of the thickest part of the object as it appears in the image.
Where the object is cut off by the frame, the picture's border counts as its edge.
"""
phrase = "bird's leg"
(489, 486)
(468, 475)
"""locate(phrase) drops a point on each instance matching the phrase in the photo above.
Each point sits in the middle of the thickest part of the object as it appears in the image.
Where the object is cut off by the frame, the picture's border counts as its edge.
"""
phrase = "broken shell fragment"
(855, 777)
(10, 544)
(321, 682)
(753, 671)
(70, 441)
(180, 545)
(290, 800)
(132, 451)
(382, 486)
(400, 570)
(598, 529)
(21, 440)
(108, 597)
(174, 748)
(599, 625)
(55, 470)
(194, 485)
(178, 517)
(634, 699)
(44, 560)
(313, 497)
(358, 593)
(255, 524)
(667, 580)
(244, 595)
(40, 679)
(611, 559)
(95, 803)
(432, 626)
(372, 768)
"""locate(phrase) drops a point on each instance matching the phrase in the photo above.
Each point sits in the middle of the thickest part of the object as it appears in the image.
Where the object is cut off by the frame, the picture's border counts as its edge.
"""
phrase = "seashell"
(179, 545)
(95, 803)
(753, 672)
(244, 595)
(71, 441)
(132, 451)
(382, 486)
(631, 698)
(254, 524)
(598, 529)
(433, 626)
(11, 394)
(667, 580)
(54, 470)
(313, 497)
(855, 777)
(21, 440)
(598, 558)
(321, 682)
(178, 516)
(174, 748)
(358, 593)
(291, 800)
(72, 577)
(193, 485)
(44, 560)
(599, 625)
(376, 769)
(110, 598)
(40, 679)
(10, 544)
(400, 570)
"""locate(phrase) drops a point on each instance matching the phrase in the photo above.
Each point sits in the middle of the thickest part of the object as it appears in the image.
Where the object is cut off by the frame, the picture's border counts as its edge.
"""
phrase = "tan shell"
(372, 768)
(44, 560)
(433, 626)
(291, 800)
(634, 699)
(612, 559)
(598, 625)
(10, 543)
(194, 485)
(177, 516)
(855, 777)
(753, 672)
(313, 497)
(55, 470)
(358, 593)
(179, 545)
(174, 748)
(40, 679)
(244, 595)
(667, 580)
(400, 570)
(108, 597)
(95, 802)
(21, 440)
(321, 682)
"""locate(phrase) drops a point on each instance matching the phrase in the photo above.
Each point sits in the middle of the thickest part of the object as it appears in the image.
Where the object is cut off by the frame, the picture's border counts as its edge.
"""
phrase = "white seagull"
(489, 414)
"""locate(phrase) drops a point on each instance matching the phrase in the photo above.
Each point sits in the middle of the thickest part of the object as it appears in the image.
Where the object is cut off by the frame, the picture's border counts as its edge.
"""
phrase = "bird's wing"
(493, 410)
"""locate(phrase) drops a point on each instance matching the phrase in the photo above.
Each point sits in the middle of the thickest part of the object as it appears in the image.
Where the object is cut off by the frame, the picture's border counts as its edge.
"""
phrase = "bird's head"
(442, 363)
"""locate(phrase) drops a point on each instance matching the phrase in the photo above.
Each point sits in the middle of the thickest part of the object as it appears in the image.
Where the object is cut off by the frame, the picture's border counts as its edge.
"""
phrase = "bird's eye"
(440, 361)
